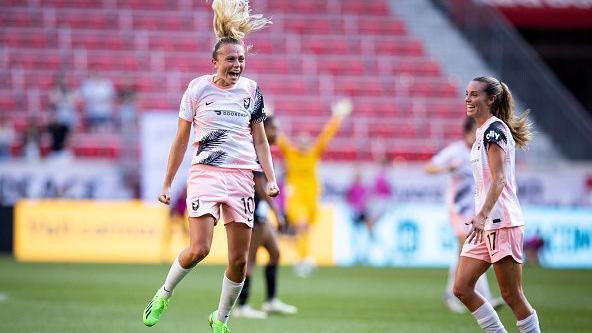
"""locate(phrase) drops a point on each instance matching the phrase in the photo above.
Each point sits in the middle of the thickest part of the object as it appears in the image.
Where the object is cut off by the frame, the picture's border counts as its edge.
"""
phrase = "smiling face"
(229, 63)
(477, 101)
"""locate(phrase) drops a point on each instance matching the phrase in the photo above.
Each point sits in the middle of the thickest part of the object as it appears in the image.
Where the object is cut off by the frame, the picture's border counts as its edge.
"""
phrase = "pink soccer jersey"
(506, 212)
(221, 119)
(459, 196)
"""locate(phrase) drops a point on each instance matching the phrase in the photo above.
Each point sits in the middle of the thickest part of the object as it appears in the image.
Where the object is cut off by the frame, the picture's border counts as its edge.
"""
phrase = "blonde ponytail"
(232, 18)
(520, 126)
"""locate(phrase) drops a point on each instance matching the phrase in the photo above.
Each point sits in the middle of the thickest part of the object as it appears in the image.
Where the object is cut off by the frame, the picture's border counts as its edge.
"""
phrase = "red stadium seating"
(314, 52)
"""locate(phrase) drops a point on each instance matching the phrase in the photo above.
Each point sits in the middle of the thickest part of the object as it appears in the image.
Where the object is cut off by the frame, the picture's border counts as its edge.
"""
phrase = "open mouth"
(234, 75)
(470, 107)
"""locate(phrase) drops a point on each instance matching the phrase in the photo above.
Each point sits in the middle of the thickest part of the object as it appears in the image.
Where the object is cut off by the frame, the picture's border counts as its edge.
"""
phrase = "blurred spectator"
(382, 192)
(98, 95)
(128, 124)
(31, 141)
(357, 198)
(588, 195)
(63, 104)
(532, 247)
(7, 136)
(127, 105)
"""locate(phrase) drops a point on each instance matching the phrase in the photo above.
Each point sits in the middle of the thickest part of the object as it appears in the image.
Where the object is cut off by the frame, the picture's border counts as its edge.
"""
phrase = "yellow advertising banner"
(88, 231)
(131, 232)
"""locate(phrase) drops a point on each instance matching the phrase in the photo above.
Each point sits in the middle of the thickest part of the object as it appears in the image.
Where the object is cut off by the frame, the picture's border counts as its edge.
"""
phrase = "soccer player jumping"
(227, 113)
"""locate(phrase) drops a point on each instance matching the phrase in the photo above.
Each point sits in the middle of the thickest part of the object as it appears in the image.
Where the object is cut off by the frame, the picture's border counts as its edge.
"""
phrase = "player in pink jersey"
(497, 229)
(455, 159)
(226, 111)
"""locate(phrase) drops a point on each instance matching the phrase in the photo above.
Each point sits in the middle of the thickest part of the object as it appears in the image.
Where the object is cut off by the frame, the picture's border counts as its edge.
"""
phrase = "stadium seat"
(315, 52)
(15, 17)
(25, 39)
(160, 22)
(381, 26)
(358, 87)
(157, 5)
(101, 41)
(92, 20)
(314, 25)
(376, 7)
(399, 46)
(300, 7)
(320, 45)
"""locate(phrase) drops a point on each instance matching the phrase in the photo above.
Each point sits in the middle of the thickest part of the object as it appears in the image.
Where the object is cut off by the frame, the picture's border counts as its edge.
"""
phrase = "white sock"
(176, 274)
(451, 276)
(482, 287)
(529, 324)
(228, 297)
(488, 320)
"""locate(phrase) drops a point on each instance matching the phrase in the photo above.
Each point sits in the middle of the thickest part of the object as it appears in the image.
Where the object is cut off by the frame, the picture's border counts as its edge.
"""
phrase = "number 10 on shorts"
(248, 204)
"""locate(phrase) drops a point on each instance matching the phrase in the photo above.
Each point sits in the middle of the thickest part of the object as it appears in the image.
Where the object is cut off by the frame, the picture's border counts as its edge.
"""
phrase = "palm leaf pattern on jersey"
(211, 141)
(215, 158)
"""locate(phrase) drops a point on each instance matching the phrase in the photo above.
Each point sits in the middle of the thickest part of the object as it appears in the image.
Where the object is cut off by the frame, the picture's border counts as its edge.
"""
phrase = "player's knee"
(198, 252)
(461, 291)
(511, 296)
(238, 264)
(274, 256)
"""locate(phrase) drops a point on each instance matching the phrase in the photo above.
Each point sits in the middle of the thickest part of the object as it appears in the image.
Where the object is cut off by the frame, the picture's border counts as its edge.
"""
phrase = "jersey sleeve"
(258, 114)
(496, 133)
(187, 109)
(444, 157)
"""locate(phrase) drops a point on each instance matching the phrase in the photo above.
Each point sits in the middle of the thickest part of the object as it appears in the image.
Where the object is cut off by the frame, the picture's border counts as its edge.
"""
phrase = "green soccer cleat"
(154, 309)
(216, 325)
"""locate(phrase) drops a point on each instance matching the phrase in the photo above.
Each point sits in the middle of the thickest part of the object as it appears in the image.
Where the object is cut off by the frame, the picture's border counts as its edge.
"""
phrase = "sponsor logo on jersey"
(247, 102)
(231, 113)
(209, 103)
(492, 135)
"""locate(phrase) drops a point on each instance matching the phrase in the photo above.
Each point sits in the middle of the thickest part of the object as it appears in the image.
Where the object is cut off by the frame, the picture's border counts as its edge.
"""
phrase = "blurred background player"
(177, 215)
(455, 160)
(497, 232)
(7, 136)
(302, 184)
(357, 198)
(533, 245)
(264, 235)
(381, 197)
(227, 112)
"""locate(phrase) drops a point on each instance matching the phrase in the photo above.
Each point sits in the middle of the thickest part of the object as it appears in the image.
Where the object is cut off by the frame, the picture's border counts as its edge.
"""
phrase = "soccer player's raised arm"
(340, 110)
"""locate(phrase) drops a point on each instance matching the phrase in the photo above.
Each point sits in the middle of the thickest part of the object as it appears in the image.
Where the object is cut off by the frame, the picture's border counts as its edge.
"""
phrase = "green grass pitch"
(76, 298)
